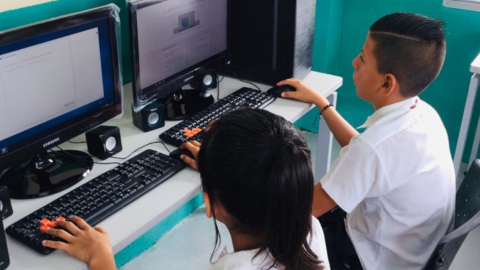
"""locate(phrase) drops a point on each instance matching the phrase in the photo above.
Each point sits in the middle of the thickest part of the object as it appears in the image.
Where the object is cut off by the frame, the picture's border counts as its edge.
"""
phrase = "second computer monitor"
(172, 39)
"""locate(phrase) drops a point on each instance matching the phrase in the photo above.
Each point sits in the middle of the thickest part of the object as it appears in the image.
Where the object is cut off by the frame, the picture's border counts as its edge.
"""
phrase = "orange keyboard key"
(45, 222)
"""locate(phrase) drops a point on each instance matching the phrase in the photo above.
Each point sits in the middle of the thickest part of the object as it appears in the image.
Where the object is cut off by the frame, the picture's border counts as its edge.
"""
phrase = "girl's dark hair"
(257, 165)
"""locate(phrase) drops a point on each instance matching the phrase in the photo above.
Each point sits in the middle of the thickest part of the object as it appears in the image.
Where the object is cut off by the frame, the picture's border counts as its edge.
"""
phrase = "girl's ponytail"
(289, 195)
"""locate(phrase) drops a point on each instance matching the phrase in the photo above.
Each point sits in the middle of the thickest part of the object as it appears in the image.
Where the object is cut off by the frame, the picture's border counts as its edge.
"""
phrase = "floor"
(190, 244)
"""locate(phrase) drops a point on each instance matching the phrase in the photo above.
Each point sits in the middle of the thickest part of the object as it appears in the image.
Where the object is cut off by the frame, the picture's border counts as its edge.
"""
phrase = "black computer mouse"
(177, 153)
(277, 91)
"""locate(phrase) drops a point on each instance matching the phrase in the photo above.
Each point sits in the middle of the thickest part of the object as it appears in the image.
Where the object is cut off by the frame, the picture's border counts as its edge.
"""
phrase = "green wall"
(447, 94)
(32, 14)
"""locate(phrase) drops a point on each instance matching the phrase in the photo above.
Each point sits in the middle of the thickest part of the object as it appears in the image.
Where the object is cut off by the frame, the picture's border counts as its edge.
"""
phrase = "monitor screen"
(57, 80)
(173, 38)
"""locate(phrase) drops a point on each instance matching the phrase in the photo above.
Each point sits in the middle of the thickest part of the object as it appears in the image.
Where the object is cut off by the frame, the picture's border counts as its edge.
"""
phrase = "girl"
(257, 180)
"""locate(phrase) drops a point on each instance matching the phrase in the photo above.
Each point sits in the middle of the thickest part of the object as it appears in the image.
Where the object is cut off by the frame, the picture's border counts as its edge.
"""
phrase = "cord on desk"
(244, 80)
(76, 142)
(141, 148)
(77, 157)
(220, 80)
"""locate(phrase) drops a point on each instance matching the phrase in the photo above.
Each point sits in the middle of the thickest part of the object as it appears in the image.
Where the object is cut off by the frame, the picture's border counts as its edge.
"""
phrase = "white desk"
(141, 215)
(467, 114)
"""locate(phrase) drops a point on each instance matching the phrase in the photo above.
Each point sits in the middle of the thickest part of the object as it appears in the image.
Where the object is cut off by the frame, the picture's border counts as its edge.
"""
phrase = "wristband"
(326, 107)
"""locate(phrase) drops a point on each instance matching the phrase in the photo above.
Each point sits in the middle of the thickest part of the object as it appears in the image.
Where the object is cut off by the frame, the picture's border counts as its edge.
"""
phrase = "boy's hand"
(193, 147)
(90, 245)
(303, 92)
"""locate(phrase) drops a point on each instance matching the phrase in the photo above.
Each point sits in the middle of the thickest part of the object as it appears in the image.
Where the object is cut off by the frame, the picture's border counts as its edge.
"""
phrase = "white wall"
(14, 4)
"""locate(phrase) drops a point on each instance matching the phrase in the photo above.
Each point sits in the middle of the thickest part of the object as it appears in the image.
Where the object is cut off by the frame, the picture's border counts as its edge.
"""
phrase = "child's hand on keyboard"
(91, 245)
(193, 147)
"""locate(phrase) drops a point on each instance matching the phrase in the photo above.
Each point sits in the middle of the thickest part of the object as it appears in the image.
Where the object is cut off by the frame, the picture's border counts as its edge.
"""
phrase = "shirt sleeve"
(356, 174)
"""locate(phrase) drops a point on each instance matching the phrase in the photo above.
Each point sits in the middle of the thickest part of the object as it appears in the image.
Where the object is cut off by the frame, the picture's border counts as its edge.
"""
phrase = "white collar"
(397, 108)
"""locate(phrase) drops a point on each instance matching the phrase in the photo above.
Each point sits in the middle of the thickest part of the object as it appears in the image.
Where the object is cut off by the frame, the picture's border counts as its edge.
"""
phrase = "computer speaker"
(5, 203)
(104, 141)
(204, 80)
(4, 258)
(149, 118)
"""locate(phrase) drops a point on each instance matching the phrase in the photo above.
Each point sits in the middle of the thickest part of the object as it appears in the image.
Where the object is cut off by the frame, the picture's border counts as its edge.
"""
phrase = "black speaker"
(104, 141)
(204, 79)
(5, 203)
(271, 40)
(4, 258)
(149, 118)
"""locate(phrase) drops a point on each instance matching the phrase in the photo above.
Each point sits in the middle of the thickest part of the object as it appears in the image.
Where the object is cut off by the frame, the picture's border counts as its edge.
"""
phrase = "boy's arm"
(341, 129)
(322, 202)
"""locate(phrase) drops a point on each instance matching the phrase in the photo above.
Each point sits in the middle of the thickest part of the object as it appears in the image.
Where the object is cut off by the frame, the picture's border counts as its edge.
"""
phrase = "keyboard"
(192, 128)
(99, 198)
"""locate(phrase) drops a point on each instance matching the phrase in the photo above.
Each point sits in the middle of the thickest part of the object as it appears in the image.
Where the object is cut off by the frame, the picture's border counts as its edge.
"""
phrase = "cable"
(244, 80)
(220, 80)
(218, 87)
(77, 157)
(76, 142)
(141, 148)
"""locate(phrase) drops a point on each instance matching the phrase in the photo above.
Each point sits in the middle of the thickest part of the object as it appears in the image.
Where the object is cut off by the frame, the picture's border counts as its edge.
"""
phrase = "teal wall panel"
(351, 20)
(448, 93)
(326, 53)
(153, 235)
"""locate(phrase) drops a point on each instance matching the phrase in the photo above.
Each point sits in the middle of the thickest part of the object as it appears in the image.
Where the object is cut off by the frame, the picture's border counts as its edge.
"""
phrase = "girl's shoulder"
(242, 260)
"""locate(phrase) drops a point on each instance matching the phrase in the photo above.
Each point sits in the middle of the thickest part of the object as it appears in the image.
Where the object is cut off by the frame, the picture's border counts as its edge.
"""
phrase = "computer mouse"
(178, 152)
(277, 91)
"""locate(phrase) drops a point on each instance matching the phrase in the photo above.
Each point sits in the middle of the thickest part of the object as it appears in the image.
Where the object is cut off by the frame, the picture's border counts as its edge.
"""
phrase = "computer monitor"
(172, 40)
(58, 79)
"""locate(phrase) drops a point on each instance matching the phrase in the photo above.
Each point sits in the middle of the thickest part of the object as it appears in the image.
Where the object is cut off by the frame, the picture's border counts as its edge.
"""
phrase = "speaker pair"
(150, 117)
(104, 141)
(204, 79)
(5, 203)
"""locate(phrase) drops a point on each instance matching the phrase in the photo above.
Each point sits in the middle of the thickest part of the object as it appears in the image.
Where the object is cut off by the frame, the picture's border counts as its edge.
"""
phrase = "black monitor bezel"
(54, 136)
(173, 82)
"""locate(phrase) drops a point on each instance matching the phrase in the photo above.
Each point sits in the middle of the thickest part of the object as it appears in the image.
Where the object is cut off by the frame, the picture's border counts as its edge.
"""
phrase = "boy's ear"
(390, 84)
(208, 206)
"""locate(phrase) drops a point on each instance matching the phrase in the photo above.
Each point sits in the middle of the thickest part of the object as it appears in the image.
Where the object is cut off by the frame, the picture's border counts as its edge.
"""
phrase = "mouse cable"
(78, 157)
(244, 80)
(141, 148)
(76, 142)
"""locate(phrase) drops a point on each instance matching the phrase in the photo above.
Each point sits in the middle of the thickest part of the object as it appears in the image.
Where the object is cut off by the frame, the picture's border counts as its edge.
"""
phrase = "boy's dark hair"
(411, 47)
(257, 165)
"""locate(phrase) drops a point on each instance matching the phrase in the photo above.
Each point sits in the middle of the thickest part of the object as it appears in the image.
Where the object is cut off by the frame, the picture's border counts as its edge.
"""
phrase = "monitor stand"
(183, 103)
(46, 174)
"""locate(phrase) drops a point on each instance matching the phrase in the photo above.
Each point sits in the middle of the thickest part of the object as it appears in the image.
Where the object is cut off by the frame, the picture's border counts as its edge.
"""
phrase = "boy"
(396, 179)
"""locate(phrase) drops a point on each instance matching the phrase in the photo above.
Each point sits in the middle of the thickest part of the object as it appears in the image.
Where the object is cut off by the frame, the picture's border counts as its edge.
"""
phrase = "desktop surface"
(128, 224)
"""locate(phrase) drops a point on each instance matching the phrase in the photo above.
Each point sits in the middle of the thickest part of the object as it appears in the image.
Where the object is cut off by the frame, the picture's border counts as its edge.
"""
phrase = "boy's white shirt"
(244, 260)
(397, 182)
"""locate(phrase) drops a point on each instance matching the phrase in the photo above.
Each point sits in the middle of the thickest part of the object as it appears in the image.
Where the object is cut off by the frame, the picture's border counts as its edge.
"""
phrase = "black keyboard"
(192, 128)
(99, 198)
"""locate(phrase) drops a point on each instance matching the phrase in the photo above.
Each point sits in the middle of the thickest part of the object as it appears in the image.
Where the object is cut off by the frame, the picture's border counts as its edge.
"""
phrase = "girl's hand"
(193, 147)
(90, 245)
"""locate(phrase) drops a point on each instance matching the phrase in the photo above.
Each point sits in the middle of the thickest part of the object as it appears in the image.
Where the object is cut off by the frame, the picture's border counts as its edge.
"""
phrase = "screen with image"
(58, 79)
(177, 36)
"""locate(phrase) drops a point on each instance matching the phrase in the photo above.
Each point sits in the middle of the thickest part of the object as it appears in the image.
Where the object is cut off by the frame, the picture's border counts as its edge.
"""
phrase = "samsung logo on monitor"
(45, 145)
